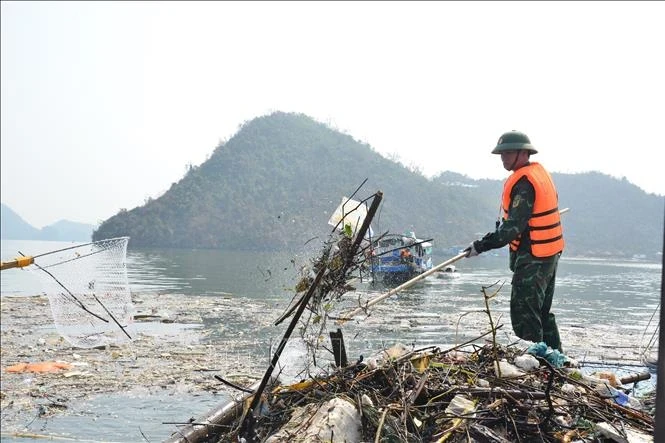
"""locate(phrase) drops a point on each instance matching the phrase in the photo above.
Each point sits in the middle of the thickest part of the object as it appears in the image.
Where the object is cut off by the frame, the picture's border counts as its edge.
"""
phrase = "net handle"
(27, 260)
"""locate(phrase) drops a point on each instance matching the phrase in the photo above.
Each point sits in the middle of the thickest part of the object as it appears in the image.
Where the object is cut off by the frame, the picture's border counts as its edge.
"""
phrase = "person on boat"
(530, 223)
(405, 255)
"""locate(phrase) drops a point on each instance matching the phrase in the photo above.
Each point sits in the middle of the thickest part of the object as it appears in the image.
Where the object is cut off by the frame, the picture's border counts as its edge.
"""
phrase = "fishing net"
(88, 291)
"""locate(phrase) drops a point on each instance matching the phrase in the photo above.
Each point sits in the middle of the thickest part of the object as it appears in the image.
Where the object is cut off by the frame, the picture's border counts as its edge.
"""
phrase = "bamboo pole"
(348, 316)
(247, 423)
(216, 421)
(18, 262)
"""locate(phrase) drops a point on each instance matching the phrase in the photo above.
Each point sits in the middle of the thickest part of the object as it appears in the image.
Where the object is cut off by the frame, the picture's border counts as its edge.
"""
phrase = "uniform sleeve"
(522, 198)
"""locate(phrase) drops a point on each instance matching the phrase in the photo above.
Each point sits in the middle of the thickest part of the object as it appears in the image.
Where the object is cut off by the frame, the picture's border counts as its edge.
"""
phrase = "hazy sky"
(105, 103)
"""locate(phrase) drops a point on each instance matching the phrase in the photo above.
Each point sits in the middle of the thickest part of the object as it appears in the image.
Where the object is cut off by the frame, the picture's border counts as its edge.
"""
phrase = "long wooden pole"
(659, 431)
(215, 422)
(26, 260)
(19, 262)
(380, 298)
(349, 315)
(247, 424)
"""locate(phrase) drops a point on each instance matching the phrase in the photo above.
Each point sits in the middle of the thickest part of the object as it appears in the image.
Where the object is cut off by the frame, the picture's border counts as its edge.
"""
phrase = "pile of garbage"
(490, 393)
(471, 392)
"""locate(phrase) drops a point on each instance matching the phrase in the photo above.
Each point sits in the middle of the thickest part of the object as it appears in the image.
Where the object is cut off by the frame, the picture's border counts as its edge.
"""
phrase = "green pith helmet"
(513, 141)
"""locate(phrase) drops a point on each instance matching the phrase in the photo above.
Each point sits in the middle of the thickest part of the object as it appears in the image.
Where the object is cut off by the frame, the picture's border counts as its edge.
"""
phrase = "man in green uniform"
(532, 227)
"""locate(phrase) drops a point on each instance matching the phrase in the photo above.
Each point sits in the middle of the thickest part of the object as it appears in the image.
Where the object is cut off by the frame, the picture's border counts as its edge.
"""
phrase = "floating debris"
(45, 366)
(480, 390)
(431, 394)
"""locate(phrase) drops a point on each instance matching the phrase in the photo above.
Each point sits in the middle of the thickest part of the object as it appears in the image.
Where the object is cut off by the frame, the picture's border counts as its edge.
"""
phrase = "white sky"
(105, 103)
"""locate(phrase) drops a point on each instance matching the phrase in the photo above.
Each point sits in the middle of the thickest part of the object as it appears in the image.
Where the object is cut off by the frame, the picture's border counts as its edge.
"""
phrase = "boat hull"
(394, 278)
(397, 259)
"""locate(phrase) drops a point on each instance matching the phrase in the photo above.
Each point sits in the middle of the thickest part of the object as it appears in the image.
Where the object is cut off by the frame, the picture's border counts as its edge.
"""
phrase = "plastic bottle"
(620, 397)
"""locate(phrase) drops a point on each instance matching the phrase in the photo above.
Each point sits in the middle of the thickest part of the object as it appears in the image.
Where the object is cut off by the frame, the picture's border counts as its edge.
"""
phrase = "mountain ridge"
(14, 227)
(274, 184)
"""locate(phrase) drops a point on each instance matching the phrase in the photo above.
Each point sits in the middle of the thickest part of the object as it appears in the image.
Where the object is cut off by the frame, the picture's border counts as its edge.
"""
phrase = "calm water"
(601, 305)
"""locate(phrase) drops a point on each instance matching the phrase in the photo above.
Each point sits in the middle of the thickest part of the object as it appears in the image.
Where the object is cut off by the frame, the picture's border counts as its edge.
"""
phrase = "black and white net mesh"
(88, 291)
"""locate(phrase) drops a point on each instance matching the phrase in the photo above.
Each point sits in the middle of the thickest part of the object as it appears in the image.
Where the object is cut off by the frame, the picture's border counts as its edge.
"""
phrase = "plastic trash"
(610, 377)
(482, 383)
(619, 396)
(527, 362)
(556, 358)
(631, 435)
(553, 356)
(507, 370)
(460, 405)
(537, 349)
(567, 388)
(338, 417)
(43, 366)
(462, 408)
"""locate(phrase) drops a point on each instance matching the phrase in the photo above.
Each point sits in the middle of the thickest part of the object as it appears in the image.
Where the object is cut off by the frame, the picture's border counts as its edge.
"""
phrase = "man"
(531, 225)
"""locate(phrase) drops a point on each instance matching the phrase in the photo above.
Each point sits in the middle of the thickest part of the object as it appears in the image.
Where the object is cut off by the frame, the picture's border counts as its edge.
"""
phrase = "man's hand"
(471, 251)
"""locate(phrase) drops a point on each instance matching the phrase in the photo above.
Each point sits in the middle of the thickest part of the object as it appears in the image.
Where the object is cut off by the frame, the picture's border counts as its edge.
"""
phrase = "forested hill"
(275, 183)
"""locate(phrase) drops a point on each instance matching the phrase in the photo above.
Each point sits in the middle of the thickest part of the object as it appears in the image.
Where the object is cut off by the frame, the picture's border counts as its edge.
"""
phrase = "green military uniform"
(533, 277)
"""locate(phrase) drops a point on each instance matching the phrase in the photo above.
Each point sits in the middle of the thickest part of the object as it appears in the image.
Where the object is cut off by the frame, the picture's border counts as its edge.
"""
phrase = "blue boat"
(396, 258)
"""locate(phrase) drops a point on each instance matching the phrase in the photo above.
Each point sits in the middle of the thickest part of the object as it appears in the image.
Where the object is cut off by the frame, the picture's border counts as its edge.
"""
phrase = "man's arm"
(522, 198)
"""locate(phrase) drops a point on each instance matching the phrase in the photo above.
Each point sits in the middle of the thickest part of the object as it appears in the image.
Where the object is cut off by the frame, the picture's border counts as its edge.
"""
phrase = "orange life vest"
(545, 224)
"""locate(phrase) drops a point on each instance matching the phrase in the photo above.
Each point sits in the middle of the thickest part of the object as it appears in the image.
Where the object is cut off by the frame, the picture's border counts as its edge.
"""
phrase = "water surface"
(603, 306)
